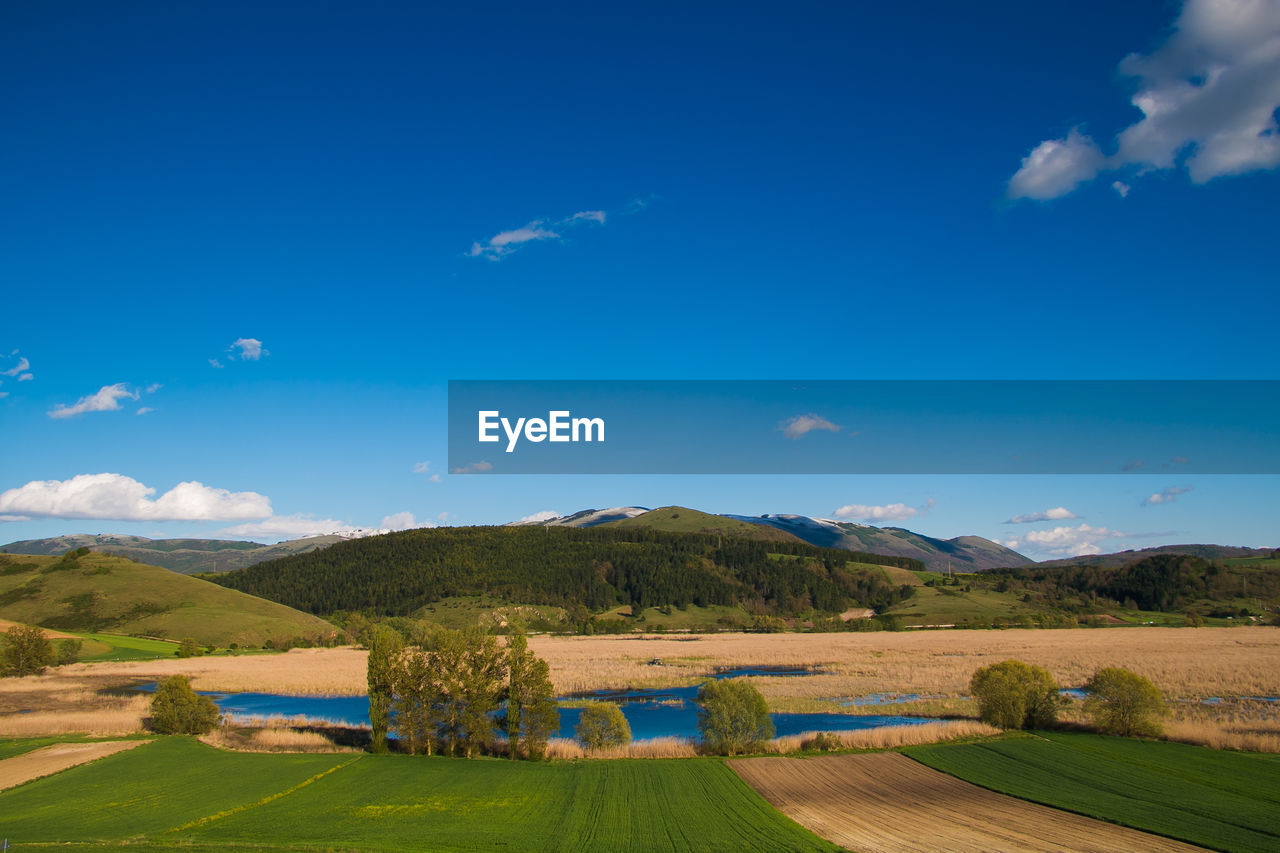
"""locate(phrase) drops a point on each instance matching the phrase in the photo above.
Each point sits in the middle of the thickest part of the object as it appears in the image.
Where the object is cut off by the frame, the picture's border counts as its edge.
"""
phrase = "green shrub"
(602, 726)
(69, 651)
(1121, 702)
(25, 651)
(188, 648)
(1015, 695)
(732, 716)
(179, 710)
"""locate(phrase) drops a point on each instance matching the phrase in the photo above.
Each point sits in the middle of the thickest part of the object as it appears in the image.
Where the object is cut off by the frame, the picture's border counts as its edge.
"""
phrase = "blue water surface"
(662, 712)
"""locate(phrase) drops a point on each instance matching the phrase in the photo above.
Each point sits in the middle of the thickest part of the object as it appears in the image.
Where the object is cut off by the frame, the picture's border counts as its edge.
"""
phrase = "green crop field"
(120, 647)
(1222, 800)
(177, 791)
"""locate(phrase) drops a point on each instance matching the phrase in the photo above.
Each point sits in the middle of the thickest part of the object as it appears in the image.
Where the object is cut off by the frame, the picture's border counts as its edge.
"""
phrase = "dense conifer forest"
(596, 568)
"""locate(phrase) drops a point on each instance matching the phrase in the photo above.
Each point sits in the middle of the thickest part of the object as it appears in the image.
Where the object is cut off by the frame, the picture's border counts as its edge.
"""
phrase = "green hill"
(583, 569)
(88, 592)
(188, 556)
(679, 519)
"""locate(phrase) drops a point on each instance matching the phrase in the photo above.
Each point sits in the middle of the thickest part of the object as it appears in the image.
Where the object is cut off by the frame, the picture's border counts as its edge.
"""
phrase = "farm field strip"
(47, 760)
(1224, 800)
(178, 791)
(886, 803)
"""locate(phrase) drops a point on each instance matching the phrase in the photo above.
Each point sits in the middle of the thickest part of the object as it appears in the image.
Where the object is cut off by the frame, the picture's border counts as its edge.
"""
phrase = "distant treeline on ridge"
(596, 568)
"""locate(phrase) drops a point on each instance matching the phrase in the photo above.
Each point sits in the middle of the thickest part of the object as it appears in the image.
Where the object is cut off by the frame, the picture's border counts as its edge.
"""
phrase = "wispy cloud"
(474, 468)
(295, 526)
(107, 399)
(801, 424)
(121, 498)
(213, 362)
(1166, 496)
(421, 467)
(505, 242)
(145, 410)
(1058, 513)
(1208, 96)
(21, 367)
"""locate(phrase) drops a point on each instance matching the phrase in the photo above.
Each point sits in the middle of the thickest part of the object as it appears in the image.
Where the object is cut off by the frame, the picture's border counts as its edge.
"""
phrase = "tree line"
(596, 568)
(450, 692)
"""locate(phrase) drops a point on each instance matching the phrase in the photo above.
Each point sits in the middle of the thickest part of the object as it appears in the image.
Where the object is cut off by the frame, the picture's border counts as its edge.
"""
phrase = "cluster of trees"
(24, 650)
(1163, 582)
(448, 691)
(733, 718)
(595, 568)
(1016, 695)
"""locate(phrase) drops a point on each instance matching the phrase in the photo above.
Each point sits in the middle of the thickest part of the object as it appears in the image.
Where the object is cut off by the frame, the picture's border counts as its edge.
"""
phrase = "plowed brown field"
(886, 803)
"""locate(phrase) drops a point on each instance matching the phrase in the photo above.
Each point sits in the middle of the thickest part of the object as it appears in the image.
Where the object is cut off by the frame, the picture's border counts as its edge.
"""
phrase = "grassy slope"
(98, 593)
(1222, 800)
(679, 519)
(177, 790)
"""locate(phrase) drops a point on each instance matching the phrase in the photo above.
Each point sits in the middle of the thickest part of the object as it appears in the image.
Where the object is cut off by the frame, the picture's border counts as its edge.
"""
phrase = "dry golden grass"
(273, 738)
(52, 759)
(107, 717)
(889, 737)
(660, 747)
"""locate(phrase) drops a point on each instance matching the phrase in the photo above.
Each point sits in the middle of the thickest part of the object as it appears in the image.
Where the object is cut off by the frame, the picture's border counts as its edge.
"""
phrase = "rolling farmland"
(366, 802)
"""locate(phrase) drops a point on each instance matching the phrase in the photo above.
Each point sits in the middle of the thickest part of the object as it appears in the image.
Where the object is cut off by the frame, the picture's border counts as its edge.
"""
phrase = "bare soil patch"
(886, 803)
(50, 759)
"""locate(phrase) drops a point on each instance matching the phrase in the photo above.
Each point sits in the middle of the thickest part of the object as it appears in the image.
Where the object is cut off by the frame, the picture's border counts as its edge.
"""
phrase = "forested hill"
(596, 568)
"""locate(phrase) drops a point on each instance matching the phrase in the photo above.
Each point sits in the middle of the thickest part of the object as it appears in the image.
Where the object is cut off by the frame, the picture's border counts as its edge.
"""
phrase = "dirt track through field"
(886, 803)
(50, 759)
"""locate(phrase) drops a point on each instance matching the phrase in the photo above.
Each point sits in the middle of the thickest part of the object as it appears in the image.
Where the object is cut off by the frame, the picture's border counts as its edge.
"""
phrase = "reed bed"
(273, 738)
(659, 747)
(298, 672)
(889, 737)
(110, 716)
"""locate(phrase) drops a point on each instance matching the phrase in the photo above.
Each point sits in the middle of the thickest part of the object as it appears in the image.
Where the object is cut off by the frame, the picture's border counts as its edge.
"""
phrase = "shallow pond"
(662, 712)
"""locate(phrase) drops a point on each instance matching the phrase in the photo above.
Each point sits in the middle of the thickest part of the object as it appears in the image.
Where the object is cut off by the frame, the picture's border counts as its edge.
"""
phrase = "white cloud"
(115, 496)
(545, 515)
(1064, 541)
(444, 516)
(26, 377)
(1058, 513)
(403, 521)
(1057, 166)
(801, 424)
(213, 362)
(505, 242)
(866, 512)
(106, 400)
(474, 468)
(250, 349)
(421, 467)
(295, 526)
(145, 410)
(434, 478)
(21, 366)
(154, 387)
(1166, 496)
(1208, 97)
(1121, 188)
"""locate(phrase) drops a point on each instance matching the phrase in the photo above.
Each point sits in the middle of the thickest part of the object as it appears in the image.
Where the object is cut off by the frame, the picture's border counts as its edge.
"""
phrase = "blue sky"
(375, 199)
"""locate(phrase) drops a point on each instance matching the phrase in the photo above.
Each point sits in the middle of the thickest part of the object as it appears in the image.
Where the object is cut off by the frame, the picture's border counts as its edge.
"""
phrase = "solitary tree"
(1015, 695)
(176, 709)
(732, 716)
(188, 648)
(68, 651)
(385, 646)
(25, 652)
(602, 726)
(1121, 702)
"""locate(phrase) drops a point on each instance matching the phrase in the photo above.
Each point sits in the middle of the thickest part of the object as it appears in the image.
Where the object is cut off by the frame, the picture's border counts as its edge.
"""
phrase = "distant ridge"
(1122, 558)
(586, 517)
(186, 556)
